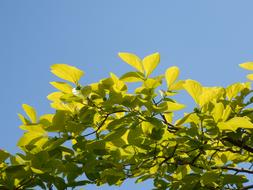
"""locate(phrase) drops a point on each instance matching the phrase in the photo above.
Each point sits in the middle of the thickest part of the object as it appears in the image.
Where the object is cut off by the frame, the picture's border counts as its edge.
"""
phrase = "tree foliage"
(106, 132)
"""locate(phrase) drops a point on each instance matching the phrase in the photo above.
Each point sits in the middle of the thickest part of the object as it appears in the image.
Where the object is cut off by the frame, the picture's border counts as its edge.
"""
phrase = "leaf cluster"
(102, 133)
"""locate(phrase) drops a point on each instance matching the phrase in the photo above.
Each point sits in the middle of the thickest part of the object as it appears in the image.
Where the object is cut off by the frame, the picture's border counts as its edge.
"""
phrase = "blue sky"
(206, 39)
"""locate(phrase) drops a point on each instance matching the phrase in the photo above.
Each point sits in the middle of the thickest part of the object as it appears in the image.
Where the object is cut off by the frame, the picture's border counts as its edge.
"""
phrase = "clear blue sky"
(206, 39)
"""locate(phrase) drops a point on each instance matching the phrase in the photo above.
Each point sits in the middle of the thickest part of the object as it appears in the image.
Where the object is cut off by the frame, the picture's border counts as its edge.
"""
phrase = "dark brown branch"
(168, 158)
(239, 144)
(25, 183)
(241, 170)
(247, 187)
(99, 127)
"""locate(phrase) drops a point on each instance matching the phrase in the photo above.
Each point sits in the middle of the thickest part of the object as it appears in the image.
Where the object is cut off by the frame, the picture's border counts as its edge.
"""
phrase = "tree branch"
(239, 144)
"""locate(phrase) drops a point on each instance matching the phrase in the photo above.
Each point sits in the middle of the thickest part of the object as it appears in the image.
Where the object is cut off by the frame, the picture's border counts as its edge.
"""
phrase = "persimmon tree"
(104, 133)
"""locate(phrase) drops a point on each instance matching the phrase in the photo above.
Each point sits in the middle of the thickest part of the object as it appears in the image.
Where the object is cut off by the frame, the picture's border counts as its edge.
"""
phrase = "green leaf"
(30, 112)
(132, 60)
(67, 72)
(171, 75)
(86, 90)
(147, 127)
(132, 77)
(154, 169)
(59, 121)
(15, 169)
(234, 179)
(247, 65)
(150, 62)
(3, 155)
(78, 183)
(37, 171)
(143, 178)
(209, 178)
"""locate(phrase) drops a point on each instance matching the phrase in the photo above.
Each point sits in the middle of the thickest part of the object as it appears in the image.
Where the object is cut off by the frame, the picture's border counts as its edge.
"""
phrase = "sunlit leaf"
(233, 90)
(150, 62)
(250, 76)
(235, 123)
(30, 112)
(173, 106)
(67, 72)
(218, 111)
(132, 60)
(247, 65)
(62, 86)
(171, 75)
(194, 88)
(132, 77)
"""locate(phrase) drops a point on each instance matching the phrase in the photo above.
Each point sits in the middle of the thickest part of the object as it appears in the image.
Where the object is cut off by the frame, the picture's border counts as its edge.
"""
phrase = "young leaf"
(194, 88)
(247, 65)
(233, 90)
(62, 86)
(132, 60)
(250, 76)
(67, 72)
(30, 112)
(173, 106)
(235, 123)
(171, 75)
(218, 111)
(150, 63)
(132, 77)
(177, 85)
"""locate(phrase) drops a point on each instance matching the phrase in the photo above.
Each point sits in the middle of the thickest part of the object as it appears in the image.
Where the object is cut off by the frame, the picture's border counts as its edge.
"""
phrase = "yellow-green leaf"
(235, 123)
(37, 171)
(250, 76)
(62, 86)
(55, 96)
(218, 111)
(23, 119)
(30, 112)
(30, 137)
(226, 113)
(132, 60)
(233, 90)
(150, 62)
(154, 169)
(179, 85)
(132, 77)
(173, 106)
(194, 88)
(147, 127)
(67, 72)
(247, 65)
(171, 75)
(3, 155)
(34, 128)
(209, 94)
